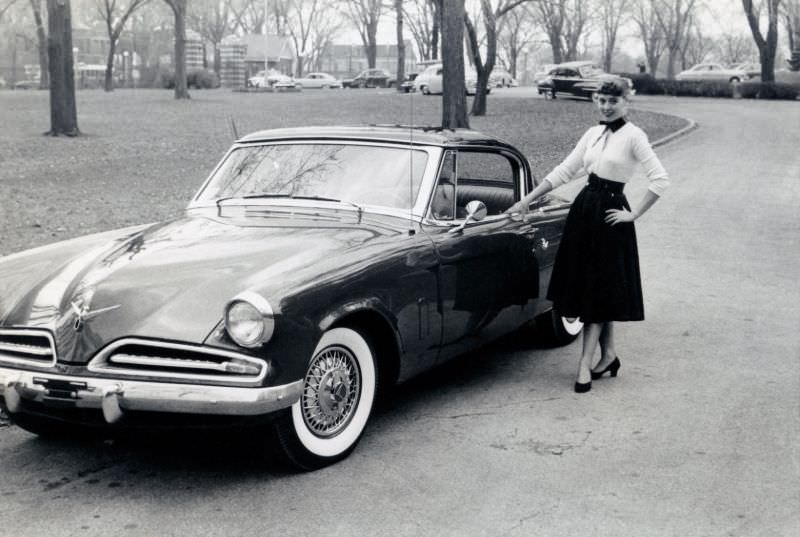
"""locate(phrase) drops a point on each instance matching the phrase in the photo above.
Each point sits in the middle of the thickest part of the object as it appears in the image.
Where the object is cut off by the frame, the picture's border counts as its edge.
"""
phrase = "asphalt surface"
(698, 436)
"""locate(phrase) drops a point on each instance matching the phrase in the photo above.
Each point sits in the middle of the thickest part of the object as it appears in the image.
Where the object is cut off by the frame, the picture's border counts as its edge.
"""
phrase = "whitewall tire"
(339, 387)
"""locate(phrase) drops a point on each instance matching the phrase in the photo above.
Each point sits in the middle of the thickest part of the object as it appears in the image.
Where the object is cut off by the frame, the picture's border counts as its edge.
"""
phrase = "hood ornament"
(83, 314)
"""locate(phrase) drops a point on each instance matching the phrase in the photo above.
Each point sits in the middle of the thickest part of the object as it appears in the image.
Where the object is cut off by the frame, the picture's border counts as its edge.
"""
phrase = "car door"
(487, 274)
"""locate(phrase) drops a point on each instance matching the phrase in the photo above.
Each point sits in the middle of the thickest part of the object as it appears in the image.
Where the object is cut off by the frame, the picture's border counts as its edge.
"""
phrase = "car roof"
(402, 134)
(580, 63)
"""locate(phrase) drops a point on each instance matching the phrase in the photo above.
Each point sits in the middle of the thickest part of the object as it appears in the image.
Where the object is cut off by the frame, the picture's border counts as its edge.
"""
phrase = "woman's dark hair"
(614, 85)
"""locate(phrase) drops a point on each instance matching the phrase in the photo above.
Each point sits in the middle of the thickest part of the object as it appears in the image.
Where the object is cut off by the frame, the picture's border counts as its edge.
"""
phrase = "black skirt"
(596, 272)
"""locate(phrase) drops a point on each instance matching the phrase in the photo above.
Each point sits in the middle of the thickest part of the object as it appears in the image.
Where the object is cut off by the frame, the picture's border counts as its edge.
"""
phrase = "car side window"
(443, 203)
(485, 176)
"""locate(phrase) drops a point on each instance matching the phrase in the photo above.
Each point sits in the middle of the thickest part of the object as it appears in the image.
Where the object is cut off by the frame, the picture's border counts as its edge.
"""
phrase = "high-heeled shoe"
(583, 387)
(612, 368)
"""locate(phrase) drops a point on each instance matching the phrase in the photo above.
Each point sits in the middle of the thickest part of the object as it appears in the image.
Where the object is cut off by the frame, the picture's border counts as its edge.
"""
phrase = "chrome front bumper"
(114, 397)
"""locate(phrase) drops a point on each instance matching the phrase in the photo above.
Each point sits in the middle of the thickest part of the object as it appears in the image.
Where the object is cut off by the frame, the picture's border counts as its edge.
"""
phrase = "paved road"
(697, 437)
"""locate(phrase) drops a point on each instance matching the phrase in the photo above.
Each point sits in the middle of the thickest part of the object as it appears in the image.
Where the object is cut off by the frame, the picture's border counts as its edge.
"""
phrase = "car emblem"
(545, 244)
(84, 314)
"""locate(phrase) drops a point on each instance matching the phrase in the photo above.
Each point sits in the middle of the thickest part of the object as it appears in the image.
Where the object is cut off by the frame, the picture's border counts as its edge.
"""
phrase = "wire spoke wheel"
(331, 391)
(326, 423)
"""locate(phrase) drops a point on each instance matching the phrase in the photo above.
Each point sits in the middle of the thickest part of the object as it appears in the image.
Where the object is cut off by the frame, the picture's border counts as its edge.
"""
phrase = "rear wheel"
(425, 90)
(325, 425)
(556, 329)
(734, 79)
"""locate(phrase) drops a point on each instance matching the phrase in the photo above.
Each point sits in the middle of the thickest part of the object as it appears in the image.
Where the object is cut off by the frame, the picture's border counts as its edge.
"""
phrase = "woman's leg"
(607, 350)
(591, 335)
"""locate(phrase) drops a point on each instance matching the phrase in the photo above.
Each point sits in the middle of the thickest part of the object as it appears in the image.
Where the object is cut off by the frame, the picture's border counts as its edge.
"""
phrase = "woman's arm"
(561, 174)
(616, 216)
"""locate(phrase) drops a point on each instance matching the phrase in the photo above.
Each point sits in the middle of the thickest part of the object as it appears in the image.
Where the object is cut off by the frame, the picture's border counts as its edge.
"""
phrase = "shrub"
(165, 78)
(644, 83)
(202, 79)
(769, 90)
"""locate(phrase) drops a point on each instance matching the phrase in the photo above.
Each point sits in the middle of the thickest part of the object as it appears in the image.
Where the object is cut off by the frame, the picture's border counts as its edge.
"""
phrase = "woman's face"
(611, 107)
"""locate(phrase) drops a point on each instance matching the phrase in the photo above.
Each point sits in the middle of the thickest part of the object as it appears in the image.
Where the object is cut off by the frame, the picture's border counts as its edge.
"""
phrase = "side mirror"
(476, 211)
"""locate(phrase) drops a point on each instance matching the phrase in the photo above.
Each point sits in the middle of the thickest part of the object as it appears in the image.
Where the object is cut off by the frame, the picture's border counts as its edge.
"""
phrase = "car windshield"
(360, 174)
(590, 70)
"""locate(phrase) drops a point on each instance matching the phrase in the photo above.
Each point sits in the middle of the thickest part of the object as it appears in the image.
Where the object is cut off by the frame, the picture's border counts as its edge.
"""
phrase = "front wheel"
(325, 425)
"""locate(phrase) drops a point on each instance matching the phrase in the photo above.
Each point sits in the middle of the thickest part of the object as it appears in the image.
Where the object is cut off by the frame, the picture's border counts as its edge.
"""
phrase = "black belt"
(598, 183)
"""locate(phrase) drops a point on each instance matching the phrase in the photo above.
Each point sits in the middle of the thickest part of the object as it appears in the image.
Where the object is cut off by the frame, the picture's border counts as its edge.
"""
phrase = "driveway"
(697, 436)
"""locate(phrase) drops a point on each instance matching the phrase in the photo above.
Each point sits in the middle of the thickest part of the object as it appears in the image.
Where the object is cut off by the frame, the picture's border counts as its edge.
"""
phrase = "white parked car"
(714, 71)
(273, 80)
(318, 80)
(429, 81)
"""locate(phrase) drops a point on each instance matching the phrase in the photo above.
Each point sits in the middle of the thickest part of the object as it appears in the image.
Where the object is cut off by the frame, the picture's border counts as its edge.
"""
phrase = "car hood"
(169, 281)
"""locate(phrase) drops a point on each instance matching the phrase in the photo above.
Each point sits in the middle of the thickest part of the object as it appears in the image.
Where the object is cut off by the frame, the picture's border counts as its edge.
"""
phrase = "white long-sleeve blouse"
(612, 156)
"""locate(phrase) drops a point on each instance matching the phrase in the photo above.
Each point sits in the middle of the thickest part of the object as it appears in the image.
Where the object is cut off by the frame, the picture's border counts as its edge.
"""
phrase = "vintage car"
(575, 79)
(318, 81)
(715, 72)
(430, 81)
(370, 78)
(314, 267)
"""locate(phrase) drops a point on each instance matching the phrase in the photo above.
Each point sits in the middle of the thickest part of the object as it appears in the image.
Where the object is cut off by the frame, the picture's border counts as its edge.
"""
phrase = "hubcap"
(331, 391)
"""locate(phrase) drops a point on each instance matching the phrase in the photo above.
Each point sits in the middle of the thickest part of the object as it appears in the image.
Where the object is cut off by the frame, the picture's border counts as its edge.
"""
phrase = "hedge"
(646, 84)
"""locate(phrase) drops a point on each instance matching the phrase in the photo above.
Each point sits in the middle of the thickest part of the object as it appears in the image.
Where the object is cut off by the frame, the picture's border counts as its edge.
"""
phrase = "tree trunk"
(482, 69)
(372, 49)
(401, 46)
(63, 112)
(179, 9)
(109, 80)
(454, 100)
(41, 37)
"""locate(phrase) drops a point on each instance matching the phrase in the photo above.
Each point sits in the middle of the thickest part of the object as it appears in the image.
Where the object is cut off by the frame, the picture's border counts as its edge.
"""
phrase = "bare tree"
(63, 111)
(735, 48)
(674, 18)
(115, 17)
(401, 44)
(791, 21)
(644, 15)
(213, 20)
(179, 57)
(768, 45)
(248, 16)
(565, 22)
(4, 6)
(41, 38)
(454, 100)
(423, 18)
(696, 46)
(365, 14)
(304, 18)
(517, 30)
(484, 68)
(612, 13)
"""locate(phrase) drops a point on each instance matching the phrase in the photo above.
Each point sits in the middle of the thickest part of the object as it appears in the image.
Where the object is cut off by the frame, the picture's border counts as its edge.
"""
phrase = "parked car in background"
(273, 80)
(318, 81)
(752, 69)
(500, 78)
(408, 84)
(26, 84)
(313, 268)
(543, 72)
(370, 78)
(714, 71)
(576, 79)
(429, 82)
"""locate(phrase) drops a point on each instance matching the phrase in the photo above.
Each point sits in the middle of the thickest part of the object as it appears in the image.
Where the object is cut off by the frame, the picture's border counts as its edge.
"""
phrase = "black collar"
(614, 125)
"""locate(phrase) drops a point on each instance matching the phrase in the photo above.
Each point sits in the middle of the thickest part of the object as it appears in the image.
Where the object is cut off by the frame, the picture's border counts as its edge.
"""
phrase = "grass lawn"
(143, 154)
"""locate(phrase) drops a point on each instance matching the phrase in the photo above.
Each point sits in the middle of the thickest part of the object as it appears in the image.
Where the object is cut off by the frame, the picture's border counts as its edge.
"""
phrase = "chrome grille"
(27, 347)
(154, 359)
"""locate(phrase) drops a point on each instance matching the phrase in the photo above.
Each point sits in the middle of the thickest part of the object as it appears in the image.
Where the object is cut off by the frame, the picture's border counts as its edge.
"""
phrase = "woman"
(596, 272)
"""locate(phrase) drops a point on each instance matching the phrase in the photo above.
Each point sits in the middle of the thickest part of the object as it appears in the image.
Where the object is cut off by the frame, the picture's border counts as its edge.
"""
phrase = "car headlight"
(249, 320)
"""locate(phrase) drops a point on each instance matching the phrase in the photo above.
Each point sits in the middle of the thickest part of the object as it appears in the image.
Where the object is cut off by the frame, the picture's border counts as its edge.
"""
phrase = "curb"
(677, 134)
